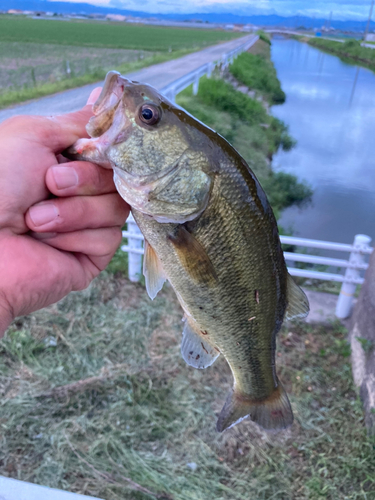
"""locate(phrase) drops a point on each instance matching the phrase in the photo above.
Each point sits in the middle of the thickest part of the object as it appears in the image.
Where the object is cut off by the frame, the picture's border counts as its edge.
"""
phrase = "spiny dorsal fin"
(272, 413)
(152, 271)
(196, 349)
(193, 256)
(298, 304)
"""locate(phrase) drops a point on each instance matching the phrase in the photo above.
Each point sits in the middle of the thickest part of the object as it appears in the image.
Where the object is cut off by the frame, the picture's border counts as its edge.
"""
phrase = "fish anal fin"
(272, 413)
(152, 271)
(298, 304)
(193, 256)
(196, 350)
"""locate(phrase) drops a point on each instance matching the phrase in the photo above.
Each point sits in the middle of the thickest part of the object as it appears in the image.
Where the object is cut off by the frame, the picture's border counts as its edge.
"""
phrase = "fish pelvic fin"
(298, 304)
(272, 413)
(196, 349)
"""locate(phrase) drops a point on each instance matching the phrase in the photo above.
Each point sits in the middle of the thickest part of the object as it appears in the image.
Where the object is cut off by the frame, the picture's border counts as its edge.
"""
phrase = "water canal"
(330, 110)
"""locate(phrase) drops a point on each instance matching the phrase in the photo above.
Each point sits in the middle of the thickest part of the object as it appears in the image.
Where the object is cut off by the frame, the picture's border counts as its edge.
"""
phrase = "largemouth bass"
(210, 231)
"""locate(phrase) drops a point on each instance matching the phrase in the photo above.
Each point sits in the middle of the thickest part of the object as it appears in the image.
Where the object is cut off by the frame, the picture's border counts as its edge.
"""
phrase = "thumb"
(66, 129)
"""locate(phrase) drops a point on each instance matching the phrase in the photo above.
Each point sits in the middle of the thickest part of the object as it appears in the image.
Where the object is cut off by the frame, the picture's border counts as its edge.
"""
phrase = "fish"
(210, 231)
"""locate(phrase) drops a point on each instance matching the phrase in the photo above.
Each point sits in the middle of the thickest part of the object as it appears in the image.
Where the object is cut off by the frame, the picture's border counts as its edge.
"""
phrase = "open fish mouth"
(107, 103)
(107, 126)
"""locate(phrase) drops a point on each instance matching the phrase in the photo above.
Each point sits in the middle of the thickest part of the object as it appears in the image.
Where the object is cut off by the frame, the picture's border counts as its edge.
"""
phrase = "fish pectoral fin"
(271, 413)
(196, 350)
(152, 271)
(298, 304)
(193, 256)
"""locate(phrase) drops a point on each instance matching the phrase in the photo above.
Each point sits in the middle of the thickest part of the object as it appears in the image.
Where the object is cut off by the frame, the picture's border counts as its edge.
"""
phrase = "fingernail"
(43, 213)
(94, 95)
(65, 177)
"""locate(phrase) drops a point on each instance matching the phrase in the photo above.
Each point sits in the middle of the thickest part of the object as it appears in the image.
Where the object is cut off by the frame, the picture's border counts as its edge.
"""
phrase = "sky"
(341, 9)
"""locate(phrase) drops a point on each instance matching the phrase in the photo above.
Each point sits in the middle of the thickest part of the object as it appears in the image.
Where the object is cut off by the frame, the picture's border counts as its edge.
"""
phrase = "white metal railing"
(174, 88)
(352, 277)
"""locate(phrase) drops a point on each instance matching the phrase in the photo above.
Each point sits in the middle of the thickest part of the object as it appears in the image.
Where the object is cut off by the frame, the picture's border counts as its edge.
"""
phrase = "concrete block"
(12, 489)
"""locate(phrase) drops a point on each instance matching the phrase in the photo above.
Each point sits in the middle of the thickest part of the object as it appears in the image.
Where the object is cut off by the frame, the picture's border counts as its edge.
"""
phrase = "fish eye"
(149, 113)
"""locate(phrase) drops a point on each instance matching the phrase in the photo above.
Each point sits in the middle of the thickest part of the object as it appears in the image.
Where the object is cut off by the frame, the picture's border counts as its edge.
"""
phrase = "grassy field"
(96, 399)
(108, 34)
(30, 64)
(39, 57)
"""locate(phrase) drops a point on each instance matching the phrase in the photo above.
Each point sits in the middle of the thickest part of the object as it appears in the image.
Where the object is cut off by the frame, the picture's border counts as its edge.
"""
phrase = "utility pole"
(329, 21)
(368, 21)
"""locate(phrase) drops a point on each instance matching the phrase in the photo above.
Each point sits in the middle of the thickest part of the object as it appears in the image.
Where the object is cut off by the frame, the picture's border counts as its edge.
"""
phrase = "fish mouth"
(107, 103)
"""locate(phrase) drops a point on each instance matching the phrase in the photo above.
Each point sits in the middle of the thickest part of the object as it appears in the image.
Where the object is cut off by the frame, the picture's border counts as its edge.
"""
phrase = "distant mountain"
(259, 20)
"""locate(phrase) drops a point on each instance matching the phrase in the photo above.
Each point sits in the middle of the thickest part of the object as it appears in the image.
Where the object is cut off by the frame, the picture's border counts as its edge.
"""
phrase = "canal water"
(330, 111)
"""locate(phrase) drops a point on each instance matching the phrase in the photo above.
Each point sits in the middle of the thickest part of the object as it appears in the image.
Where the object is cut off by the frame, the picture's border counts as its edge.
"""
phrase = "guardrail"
(174, 88)
(352, 277)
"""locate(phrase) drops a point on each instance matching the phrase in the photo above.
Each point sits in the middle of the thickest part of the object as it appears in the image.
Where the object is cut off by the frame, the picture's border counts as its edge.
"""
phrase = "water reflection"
(330, 110)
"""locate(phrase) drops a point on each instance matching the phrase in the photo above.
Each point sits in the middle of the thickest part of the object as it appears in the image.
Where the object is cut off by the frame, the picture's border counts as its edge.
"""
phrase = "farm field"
(108, 34)
(39, 57)
(30, 63)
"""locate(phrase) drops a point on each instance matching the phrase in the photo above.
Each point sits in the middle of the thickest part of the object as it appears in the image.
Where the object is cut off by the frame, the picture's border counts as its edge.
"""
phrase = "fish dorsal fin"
(196, 350)
(193, 256)
(152, 271)
(298, 304)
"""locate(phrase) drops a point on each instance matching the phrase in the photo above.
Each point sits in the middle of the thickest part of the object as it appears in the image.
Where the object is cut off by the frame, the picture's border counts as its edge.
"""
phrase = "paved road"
(158, 75)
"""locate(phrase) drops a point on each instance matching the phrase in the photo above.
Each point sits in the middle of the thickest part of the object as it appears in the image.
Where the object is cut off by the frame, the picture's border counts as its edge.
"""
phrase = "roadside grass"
(132, 421)
(30, 64)
(258, 73)
(350, 51)
(109, 34)
(33, 89)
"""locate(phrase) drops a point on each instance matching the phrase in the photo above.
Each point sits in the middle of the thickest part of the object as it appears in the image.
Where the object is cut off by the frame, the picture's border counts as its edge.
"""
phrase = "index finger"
(79, 178)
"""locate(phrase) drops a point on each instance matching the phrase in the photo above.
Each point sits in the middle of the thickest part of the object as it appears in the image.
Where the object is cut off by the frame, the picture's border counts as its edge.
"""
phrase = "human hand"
(52, 245)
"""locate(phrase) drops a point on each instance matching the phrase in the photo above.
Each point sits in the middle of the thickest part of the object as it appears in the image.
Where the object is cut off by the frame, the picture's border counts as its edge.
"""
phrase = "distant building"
(115, 17)
(248, 28)
(229, 26)
(238, 27)
(15, 12)
(96, 16)
(370, 37)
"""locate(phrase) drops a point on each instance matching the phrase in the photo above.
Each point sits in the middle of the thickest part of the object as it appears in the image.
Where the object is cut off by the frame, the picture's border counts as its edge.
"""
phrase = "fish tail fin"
(272, 413)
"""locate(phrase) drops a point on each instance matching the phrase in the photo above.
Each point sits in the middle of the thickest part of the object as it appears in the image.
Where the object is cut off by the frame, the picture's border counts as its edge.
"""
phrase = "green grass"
(349, 51)
(258, 73)
(108, 34)
(140, 414)
(32, 91)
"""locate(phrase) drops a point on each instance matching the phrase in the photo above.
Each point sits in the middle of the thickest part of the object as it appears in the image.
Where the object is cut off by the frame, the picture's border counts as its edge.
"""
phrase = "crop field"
(106, 34)
(29, 63)
(96, 399)
(39, 57)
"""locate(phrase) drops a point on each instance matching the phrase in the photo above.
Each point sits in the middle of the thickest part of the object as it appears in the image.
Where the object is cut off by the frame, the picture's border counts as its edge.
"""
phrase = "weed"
(350, 51)
(132, 415)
